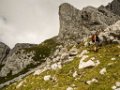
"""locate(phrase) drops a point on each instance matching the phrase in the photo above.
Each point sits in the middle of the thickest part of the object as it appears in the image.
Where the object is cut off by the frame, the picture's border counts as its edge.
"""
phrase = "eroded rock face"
(111, 34)
(20, 46)
(4, 50)
(114, 7)
(76, 24)
(17, 60)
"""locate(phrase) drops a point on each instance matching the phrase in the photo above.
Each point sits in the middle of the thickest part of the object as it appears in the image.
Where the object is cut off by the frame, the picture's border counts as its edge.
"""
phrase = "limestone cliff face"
(17, 60)
(4, 50)
(76, 24)
(114, 7)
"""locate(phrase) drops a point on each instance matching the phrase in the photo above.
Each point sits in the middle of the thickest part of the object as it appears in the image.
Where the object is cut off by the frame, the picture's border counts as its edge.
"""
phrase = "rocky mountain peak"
(66, 7)
(114, 7)
(76, 24)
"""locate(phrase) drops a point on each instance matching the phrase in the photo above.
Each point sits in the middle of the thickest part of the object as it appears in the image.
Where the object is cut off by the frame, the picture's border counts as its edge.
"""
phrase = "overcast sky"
(33, 21)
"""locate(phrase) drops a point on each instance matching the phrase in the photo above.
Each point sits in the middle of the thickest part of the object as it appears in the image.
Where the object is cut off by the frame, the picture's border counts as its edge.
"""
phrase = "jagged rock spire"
(76, 24)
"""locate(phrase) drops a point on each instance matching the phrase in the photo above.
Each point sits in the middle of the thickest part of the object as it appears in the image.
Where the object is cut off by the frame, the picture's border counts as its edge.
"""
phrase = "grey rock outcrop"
(17, 60)
(114, 7)
(20, 46)
(73, 51)
(76, 24)
(4, 50)
(111, 34)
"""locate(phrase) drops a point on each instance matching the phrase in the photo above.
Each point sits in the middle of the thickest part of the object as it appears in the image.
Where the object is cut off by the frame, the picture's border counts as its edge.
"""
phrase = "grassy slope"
(64, 75)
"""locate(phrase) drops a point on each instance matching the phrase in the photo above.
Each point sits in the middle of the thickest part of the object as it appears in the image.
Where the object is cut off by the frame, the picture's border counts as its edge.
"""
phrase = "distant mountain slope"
(24, 57)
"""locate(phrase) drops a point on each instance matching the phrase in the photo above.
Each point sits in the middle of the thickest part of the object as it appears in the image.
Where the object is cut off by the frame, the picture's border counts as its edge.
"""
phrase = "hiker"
(95, 39)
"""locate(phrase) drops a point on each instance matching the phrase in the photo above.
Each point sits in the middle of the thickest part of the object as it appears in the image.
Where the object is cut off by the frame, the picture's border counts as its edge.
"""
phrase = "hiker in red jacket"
(95, 39)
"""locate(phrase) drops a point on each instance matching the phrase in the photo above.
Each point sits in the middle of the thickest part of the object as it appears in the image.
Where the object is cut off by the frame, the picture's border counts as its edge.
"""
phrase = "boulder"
(114, 87)
(118, 84)
(75, 74)
(73, 51)
(87, 64)
(90, 63)
(83, 53)
(103, 71)
(117, 89)
(113, 59)
(56, 66)
(69, 88)
(47, 77)
(92, 81)
(57, 59)
(64, 56)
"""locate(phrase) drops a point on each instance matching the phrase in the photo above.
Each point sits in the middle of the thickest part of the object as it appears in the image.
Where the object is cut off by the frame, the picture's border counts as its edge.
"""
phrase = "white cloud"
(33, 21)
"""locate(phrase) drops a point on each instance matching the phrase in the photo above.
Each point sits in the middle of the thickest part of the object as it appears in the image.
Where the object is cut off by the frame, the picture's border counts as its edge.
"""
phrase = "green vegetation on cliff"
(43, 50)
